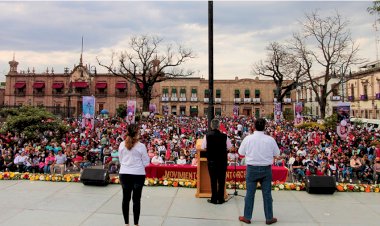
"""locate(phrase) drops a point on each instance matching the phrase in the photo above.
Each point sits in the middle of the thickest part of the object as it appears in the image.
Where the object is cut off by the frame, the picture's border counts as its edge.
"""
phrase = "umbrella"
(104, 112)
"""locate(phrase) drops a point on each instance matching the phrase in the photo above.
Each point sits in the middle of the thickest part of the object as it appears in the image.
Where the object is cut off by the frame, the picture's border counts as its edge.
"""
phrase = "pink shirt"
(49, 158)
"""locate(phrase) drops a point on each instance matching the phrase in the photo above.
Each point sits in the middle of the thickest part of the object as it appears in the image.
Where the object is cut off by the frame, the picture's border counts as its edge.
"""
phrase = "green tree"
(331, 121)
(32, 122)
(121, 111)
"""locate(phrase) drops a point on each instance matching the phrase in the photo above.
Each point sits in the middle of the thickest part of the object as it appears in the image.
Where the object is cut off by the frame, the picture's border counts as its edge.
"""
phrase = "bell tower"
(13, 65)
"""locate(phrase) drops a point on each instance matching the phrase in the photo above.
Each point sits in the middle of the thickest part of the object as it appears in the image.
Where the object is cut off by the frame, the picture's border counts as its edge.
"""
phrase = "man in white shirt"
(60, 161)
(181, 160)
(259, 150)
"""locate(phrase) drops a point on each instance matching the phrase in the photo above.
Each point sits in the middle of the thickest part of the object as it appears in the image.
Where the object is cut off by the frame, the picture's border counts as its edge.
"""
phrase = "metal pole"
(210, 63)
(342, 81)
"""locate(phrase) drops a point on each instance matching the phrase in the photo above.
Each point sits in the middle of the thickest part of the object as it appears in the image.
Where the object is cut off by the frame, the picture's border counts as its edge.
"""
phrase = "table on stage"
(190, 172)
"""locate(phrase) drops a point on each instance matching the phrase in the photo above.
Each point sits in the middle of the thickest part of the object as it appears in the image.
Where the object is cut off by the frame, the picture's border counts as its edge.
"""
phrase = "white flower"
(276, 189)
(165, 182)
(146, 182)
(281, 186)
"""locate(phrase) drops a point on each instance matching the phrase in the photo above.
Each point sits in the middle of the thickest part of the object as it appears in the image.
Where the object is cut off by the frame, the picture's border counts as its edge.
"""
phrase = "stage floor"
(35, 203)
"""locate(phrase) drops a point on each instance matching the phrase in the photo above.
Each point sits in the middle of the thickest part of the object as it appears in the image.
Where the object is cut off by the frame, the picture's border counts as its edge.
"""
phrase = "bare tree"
(283, 67)
(329, 44)
(146, 64)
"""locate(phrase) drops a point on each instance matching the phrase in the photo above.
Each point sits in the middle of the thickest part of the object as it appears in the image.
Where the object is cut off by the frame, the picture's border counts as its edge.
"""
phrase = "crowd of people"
(172, 140)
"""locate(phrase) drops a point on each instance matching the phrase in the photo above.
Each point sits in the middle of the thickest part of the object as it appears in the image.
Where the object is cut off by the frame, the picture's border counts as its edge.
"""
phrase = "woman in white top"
(133, 158)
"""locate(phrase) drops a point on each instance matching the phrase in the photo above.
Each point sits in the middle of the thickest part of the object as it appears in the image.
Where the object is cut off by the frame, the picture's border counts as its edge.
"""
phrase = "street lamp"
(69, 93)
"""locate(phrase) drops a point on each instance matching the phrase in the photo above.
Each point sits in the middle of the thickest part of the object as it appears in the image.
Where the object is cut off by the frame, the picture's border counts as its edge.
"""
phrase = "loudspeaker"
(98, 177)
(320, 184)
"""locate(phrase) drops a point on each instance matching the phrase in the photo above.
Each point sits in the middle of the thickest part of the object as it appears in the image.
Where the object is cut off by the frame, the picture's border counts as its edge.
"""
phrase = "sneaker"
(245, 220)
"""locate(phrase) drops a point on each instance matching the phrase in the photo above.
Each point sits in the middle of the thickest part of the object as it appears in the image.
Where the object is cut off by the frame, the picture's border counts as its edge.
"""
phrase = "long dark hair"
(132, 136)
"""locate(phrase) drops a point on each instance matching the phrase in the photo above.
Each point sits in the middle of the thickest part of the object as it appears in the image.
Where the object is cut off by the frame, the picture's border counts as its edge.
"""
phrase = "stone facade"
(188, 96)
(306, 94)
(364, 92)
(251, 97)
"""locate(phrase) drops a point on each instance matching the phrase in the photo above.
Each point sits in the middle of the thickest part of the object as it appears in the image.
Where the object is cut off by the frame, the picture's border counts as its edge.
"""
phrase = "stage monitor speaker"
(320, 184)
(99, 177)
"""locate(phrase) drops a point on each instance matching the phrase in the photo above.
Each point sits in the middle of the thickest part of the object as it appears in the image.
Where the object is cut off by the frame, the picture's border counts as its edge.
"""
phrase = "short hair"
(215, 123)
(260, 124)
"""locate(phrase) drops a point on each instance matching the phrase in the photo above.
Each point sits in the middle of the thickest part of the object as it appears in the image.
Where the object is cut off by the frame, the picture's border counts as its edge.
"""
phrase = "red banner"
(190, 172)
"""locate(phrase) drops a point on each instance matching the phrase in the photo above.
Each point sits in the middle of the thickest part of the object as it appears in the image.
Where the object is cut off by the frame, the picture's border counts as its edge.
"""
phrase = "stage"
(38, 203)
(190, 172)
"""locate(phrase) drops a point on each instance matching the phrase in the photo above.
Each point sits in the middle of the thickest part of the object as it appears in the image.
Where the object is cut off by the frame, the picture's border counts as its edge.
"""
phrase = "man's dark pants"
(217, 171)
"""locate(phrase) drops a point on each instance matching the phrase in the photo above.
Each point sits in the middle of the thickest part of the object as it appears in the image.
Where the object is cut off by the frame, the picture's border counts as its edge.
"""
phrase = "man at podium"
(216, 144)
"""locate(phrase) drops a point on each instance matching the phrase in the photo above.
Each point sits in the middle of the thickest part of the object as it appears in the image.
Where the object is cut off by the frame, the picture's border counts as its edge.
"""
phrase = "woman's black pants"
(132, 186)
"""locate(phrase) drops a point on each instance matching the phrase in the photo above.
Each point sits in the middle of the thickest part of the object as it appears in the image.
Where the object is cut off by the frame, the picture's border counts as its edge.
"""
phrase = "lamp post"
(211, 63)
(69, 93)
(342, 81)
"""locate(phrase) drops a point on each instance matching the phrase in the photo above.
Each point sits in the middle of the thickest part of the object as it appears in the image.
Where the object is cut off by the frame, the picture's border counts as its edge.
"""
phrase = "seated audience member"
(60, 162)
(376, 168)
(156, 160)
(356, 166)
(48, 162)
(19, 161)
(194, 161)
(181, 160)
(298, 168)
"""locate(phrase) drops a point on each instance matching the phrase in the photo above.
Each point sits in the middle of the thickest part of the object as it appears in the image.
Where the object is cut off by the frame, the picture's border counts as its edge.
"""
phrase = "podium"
(203, 176)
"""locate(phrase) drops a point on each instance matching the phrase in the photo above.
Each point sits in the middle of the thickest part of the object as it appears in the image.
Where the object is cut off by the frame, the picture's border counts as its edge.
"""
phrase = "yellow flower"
(47, 178)
(11, 174)
(298, 188)
(1, 176)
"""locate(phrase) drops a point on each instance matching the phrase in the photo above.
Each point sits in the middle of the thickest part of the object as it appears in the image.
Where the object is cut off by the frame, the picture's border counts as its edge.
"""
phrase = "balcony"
(364, 97)
(194, 99)
(164, 99)
(377, 96)
(351, 98)
(20, 94)
(256, 100)
(335, 98)
(101, 94)
(237, 100)
(287, 100)
(247, 100)
(205, 100)
(38, 94)
(174, 99)
(182, 99)
(218, 100)
(121, 94)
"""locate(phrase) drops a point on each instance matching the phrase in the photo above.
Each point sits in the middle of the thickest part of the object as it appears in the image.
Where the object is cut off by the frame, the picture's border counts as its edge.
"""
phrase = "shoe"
(272, 221)
(213, 202)
(220, 201)
(245, 220)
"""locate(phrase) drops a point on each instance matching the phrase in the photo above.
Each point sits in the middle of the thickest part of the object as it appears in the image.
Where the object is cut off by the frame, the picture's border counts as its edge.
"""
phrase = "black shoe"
(221, 201)
(213, 202)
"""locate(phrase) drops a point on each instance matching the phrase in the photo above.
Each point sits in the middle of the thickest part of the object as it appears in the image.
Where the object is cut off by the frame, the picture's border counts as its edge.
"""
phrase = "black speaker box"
(320, 184)
(99, 177)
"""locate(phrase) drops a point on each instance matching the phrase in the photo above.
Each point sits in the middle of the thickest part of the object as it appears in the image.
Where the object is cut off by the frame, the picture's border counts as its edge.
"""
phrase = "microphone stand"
(235, 193)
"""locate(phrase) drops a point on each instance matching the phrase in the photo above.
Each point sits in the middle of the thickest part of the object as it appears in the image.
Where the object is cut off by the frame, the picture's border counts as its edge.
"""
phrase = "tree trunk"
(322, 106)
(146, 102)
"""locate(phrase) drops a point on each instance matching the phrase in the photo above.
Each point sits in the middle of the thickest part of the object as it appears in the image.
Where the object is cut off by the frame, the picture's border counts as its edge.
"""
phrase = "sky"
(48, 34)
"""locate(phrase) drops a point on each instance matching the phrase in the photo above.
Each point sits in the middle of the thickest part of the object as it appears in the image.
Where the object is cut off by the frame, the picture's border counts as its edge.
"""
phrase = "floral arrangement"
(173, 182)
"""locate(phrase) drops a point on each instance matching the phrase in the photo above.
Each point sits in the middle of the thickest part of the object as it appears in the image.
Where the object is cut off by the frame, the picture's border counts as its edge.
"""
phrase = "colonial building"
(306, 94)
(62, 93)
(190, 96)
(2, 93)
(364, 92)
